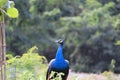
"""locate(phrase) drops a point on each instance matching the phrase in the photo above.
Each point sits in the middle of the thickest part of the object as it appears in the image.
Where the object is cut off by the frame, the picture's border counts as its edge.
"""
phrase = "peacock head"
(60, 41)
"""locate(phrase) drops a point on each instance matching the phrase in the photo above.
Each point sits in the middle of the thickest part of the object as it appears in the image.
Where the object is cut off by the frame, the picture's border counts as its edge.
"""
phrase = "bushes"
(28, 66)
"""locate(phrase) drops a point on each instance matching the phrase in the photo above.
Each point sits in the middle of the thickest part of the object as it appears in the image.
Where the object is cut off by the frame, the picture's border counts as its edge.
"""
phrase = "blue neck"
(60, 62)
(59, 54)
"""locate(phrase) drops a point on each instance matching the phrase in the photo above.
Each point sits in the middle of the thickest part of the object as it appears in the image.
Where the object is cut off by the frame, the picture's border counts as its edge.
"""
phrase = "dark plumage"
(59, 64)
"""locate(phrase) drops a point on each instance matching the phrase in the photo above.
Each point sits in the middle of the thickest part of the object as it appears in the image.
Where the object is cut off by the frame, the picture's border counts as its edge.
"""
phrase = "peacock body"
(59, 64)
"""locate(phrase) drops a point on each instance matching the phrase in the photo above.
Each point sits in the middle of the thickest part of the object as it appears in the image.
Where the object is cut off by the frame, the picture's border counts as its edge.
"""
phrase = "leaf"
(118, 42)
(2, 2)
(12, 12)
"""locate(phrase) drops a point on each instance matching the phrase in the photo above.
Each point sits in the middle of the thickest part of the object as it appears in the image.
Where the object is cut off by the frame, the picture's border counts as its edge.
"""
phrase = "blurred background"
(91, 28)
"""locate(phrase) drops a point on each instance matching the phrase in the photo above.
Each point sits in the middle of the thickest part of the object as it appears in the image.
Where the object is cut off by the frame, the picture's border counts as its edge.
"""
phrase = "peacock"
(59, 64)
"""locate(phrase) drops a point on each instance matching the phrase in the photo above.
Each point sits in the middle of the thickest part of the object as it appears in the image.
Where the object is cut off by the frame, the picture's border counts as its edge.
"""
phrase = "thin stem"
(4, 11)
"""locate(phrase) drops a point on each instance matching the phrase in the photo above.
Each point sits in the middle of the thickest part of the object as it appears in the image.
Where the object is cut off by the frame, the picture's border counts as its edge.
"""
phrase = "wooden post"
(1, 72)
(2, 51)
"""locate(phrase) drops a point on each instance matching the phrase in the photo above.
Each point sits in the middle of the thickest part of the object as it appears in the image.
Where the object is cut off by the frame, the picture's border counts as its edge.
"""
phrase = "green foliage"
(91, 4)
(12, 12)
(118, 42)
(112, 65)
(94, 32)
(29, 66)
(52, 13)
(2, 2)
(109, 75)
(91, 28)
(58, 75)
